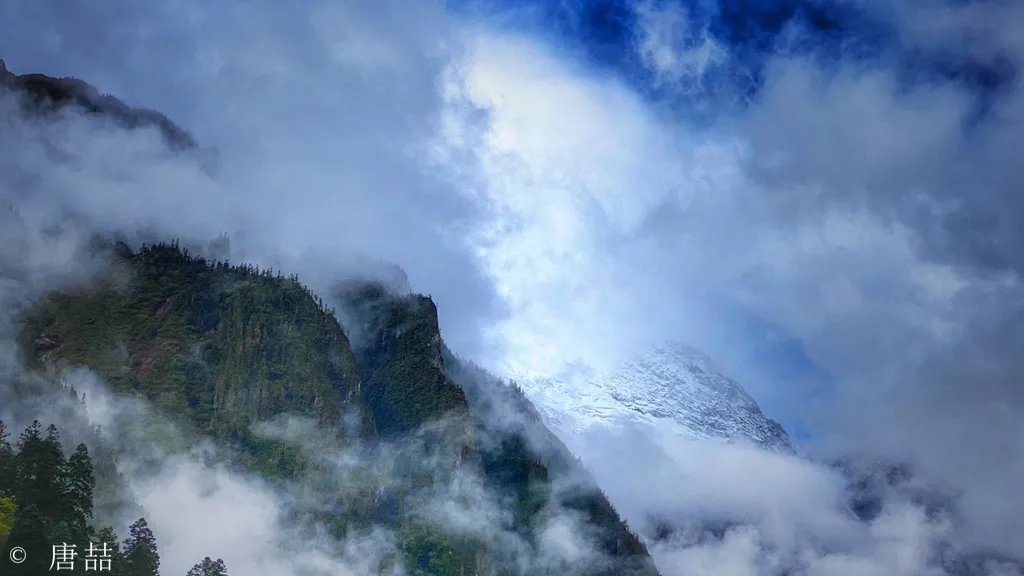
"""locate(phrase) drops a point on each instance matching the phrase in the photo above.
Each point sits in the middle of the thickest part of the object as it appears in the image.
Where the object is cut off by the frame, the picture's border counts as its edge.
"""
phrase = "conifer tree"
(52, 503)
(39, 463)
(209, 568)
(140, 553)
(8, 472)
(78, 484)
(62, 533)
(31, 534)
(118, 566)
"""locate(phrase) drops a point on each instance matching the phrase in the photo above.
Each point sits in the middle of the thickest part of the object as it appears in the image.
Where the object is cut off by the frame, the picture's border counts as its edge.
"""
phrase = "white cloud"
(554, 211)
(668, 44)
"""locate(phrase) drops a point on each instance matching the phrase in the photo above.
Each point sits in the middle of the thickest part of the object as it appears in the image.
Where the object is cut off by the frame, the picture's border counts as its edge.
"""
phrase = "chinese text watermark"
(97, 557)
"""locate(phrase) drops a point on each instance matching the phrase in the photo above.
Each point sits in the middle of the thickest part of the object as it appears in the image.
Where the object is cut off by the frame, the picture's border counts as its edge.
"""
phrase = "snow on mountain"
(671, 384)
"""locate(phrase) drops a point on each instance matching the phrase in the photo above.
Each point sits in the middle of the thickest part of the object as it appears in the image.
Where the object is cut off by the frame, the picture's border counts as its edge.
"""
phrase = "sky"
(822, 195)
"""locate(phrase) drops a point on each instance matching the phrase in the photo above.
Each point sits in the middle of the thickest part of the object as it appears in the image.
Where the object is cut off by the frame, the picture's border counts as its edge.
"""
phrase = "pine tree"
(30, 533)
(39, 463)
(62, 533)
(140, 553)
(52, 504)
(78, 484)
(118, 566)
(8, 470)
(209, 568)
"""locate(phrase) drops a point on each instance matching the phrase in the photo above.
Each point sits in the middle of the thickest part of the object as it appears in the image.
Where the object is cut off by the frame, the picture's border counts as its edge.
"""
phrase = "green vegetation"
(522, 458)
(8, 514)
(429, 551)
(45, 94)
(49, 510)
(220, 348)
(209, 568)
(225, 347)
(405, 385)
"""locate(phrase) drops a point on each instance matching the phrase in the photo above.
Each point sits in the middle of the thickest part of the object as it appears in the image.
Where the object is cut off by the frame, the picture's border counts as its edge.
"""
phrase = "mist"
(560, 217)
(198, 506)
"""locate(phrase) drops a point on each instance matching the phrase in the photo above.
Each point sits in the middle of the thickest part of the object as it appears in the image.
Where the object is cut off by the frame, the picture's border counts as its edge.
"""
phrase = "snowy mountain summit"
(674, 385)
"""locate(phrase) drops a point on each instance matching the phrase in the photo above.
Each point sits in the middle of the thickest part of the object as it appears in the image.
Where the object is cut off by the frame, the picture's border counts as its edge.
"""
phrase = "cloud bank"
(865, 208)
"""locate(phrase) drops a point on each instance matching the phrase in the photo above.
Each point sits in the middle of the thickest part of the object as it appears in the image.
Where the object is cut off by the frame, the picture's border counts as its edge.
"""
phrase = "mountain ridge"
(672, 383)
(222, 348)
(47, 94)
(159, 328)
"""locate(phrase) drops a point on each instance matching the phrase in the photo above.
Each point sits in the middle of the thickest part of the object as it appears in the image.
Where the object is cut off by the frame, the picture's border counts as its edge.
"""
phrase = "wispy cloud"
(557, 216)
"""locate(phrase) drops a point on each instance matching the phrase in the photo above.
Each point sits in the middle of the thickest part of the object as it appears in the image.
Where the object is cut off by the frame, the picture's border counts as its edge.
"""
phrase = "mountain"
(47, 95)
(227, 351)
(674, 384)
(872, 482)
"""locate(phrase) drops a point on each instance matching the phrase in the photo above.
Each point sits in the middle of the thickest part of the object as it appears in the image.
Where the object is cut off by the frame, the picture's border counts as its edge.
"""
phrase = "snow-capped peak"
(671, 384)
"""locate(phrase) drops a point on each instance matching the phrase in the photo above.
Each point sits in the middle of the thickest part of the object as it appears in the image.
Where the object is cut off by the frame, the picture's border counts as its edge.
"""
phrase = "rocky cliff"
(224, 349)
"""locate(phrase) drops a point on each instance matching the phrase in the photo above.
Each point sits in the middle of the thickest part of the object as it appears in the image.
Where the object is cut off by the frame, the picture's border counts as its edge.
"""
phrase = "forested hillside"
(46, 514)
(226, 350)
(226, 347)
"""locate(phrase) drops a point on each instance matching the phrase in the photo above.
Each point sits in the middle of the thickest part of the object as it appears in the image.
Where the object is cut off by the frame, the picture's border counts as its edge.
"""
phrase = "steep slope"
(45, 94)
(223, 346)
(228, 347)
(526, 460)
(225, 349)
(675, 383)
(406, 364)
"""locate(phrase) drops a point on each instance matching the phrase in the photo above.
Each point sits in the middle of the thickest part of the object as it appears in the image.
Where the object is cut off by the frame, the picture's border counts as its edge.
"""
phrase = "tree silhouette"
(51, 503)
(40, 461)
(30, 533)
(140, 553)
(78, 483)
(209, 568)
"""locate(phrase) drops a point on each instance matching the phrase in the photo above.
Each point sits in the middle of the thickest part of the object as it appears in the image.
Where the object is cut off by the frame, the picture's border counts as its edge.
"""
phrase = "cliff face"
(224, 349)
(223, 346)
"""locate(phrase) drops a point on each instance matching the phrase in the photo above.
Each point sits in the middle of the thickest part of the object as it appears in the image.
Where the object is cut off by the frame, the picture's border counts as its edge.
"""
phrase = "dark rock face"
(226, 347)
(222, 348)
(41, 93)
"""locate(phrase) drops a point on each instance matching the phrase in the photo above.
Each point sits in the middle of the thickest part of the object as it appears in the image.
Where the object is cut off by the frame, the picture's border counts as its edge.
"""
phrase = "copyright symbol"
(17, 554)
